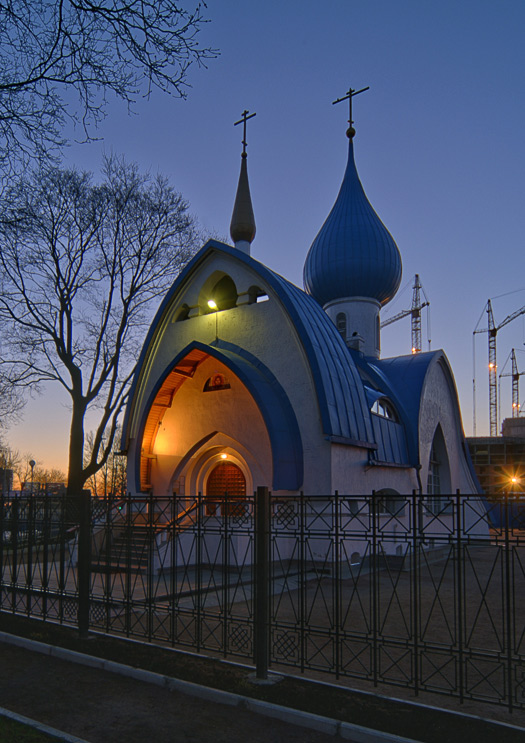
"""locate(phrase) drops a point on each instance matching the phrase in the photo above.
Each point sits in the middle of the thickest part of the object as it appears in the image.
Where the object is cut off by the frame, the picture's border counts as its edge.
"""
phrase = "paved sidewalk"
(103, 707)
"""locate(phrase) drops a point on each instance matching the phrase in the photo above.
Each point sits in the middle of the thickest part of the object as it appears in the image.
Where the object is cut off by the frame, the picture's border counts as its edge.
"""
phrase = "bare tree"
(61, 51)
(111, 479)
(11, 398)
(81, 268)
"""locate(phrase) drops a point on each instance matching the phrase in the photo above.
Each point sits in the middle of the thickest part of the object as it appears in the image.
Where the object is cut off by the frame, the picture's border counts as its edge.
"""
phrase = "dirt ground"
(102, 707)
(91, 703)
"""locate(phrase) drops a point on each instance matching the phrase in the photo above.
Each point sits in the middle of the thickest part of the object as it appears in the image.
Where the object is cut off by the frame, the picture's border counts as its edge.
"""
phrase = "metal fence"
(426, 593)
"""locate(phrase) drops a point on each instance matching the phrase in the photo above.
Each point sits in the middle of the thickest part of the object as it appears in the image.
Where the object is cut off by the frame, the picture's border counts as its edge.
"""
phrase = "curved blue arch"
(270, 398)
(339, 389)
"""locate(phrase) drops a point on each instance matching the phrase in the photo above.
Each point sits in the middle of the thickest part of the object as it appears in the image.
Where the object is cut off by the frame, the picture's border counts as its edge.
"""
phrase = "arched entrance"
(225, 479)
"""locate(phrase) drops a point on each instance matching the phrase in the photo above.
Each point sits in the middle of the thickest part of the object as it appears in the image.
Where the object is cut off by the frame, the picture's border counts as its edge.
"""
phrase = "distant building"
(499, 461)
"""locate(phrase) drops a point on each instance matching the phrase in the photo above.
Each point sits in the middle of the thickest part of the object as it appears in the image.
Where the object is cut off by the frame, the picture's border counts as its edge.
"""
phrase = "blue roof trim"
(272, 401)
(405, 396)
(340, 394)
(407, 375)
(392, 443)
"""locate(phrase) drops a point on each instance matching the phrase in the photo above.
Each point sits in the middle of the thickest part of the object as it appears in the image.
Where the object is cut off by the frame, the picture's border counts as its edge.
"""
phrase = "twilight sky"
(439, 149)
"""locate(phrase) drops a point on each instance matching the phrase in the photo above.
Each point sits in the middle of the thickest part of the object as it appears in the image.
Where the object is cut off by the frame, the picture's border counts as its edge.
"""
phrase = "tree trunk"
(76, 479)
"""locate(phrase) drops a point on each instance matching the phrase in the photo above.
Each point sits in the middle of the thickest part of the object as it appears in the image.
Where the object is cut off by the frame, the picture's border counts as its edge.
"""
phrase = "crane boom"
(395, 318)
(511, 317)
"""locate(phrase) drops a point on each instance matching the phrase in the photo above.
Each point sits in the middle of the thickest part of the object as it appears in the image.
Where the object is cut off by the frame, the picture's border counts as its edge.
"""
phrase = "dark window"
(340, 322)
(390, 502)
(438, 480)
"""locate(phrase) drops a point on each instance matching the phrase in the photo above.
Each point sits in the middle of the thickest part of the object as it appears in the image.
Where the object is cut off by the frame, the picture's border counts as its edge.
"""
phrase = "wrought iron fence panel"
(37, 552)
(422, 592)
(176, 570)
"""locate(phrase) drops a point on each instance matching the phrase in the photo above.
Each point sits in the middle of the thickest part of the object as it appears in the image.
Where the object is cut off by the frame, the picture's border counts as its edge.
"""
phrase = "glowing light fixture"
(224, 456)
(212, 304)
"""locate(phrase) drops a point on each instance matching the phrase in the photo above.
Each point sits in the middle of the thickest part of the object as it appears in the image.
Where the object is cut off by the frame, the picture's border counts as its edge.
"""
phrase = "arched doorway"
(225, 479)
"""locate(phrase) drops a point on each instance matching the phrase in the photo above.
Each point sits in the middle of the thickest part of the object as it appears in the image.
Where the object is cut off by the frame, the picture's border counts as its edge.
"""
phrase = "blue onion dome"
(353, 255)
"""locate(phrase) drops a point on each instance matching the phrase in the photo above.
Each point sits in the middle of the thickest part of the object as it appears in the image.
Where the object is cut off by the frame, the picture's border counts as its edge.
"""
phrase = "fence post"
(262, 594)
(374, 586)
(461, 599)
(417, 541)
(84, 562)
(509, 607)
(15, 506)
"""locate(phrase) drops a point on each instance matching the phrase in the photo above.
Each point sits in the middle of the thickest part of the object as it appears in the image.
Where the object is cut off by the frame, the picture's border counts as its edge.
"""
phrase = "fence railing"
(426, 593)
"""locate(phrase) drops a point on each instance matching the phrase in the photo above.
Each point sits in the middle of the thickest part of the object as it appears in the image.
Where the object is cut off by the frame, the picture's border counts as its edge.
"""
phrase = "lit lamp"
(212, 304)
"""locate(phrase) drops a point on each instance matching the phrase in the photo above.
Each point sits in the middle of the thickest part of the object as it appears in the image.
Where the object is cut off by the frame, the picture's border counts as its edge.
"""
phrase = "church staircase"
(126, 548)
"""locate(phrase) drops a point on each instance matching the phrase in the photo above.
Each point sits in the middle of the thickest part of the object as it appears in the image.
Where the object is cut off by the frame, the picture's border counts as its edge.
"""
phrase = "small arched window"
(340, 322)
(390, 502)
(385, 409)
(224, 295)
(182, 313)
(438, 478)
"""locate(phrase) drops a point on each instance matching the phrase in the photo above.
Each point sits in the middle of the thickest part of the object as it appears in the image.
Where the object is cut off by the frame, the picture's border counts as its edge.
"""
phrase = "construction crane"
(492, 330)
(515, 374)
(414, 312)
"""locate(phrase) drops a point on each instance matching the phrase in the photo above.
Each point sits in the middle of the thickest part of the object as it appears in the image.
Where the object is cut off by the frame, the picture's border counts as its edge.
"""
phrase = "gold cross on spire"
(243, 120)
(349, 95)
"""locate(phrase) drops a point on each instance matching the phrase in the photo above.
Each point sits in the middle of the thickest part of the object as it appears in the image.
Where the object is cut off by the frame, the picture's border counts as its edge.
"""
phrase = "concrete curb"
(346, 730)
(40, 727)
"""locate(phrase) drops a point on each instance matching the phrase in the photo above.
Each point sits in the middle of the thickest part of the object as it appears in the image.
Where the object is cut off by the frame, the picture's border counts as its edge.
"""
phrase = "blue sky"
(439, 149)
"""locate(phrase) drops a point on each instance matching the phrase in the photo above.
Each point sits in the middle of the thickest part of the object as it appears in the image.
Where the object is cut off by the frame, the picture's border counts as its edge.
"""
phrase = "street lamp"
(32, 465)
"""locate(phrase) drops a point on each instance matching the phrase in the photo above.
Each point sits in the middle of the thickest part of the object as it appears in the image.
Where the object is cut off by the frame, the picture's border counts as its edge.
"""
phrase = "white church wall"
(262, 329)
(351, 473)
(439, 408)
(362, 317)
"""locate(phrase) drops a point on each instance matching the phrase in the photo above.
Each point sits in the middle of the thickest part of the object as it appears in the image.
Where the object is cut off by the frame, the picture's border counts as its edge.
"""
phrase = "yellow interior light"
(212, 304)
(224, 456)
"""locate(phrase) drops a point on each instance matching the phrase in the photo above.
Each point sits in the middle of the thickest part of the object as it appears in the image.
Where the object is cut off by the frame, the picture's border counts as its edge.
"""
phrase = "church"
(247, 380)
